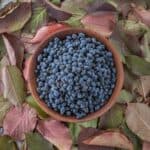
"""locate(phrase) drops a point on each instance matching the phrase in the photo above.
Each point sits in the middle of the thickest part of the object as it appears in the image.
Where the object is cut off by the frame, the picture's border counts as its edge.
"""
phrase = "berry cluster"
(75, 76)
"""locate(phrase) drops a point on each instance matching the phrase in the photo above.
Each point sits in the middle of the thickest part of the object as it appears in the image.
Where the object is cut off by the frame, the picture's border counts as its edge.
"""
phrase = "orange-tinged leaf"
(19, 120)
(55, 132)
(110, 139)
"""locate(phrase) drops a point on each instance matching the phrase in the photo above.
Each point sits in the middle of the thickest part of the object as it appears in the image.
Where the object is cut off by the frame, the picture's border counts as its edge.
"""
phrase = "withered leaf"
(14, 88)
(56, 12)
(19, 120)
(111, 139)
(17, 19)
(138, 120)
(15, 49)
(146, 145)
(56, 133)
(101, 22)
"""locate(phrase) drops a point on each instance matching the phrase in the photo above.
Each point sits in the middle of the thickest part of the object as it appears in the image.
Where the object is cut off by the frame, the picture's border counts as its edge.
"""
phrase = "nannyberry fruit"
(75, 76)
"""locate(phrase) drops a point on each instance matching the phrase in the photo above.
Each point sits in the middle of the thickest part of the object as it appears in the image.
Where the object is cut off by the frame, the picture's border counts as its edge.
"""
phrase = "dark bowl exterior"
(62, 34)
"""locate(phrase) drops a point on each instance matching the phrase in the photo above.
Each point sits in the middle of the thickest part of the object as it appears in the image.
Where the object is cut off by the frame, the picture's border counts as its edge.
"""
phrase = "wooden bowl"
(119, 82)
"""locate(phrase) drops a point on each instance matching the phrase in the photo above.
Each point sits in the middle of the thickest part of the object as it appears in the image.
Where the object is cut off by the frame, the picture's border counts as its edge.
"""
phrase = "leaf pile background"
(24, 25)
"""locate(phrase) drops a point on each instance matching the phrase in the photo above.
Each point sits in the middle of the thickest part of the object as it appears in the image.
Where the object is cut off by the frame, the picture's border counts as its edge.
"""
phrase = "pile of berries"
(75, 76)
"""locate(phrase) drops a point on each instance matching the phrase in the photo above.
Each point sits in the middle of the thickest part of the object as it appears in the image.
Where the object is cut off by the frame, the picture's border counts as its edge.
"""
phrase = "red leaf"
(55, 132)
(44, 31)
(101, 22)
(15, 49)
(19, 120)
(146, 146)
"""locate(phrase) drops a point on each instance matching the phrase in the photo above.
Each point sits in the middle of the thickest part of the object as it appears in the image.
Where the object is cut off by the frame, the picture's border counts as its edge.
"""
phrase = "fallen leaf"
(142, 14)
(4, 107)
(26, 68)
(137, 65)
(32, 102)
(146, 146)
(75, 128)
(137, 119)
(16, 19)
(132, 137)
(2, 48)
(111, 139)
(19, 120)
(125, 96)
(55, 11)
(101, 22)
(39, 17)
(45, 31)
(113, 118)
(6, 143)
(14, 89)
(56, 133)
(15, 49)
(35, 141)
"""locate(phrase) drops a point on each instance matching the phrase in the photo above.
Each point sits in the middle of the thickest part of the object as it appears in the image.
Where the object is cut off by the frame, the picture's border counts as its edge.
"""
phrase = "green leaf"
(56, 2)
(134, 139)
(113, 118)
(125, 96)
(36, 142)
(75, 128)
(14, 88)
(31, 101)
(38, 18)
(138, 65)
(2, 48)
(6, 143)
(4, 107)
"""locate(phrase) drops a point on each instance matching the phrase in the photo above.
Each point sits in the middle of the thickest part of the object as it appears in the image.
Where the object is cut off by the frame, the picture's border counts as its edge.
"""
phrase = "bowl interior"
(119, 76)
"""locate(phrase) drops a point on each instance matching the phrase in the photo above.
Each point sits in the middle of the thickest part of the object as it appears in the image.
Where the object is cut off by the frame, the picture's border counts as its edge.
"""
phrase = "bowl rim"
(118, 64)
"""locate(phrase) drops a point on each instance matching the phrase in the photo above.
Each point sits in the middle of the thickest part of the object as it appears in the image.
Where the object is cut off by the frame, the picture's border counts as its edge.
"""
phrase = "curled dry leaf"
(138, 120)
(55, 11)
(111, 139)
(146, 145)
(102, 22)
(44, 31)
(55, 132)
(15, 49)
(19, 120)
(14, 88)
(16, 19)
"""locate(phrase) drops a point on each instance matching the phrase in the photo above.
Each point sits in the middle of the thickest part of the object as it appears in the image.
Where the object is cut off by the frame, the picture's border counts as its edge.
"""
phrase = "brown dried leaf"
(146, 145)
(16, 19)
(101, 22)
(55, 132)
(138, 120)
(111, 139)
(19, 120)
(15, 49)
